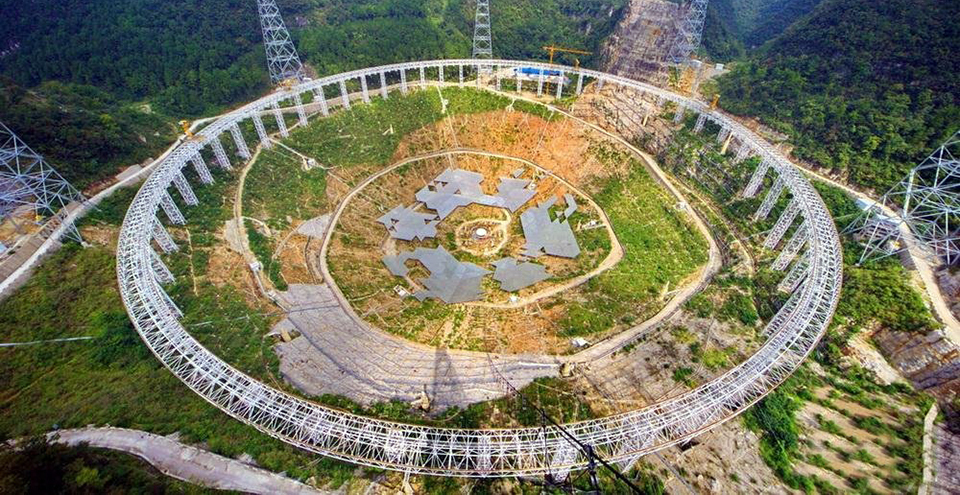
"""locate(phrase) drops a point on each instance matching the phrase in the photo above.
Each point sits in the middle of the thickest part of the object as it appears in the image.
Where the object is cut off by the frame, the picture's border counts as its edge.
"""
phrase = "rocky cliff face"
(931, 361)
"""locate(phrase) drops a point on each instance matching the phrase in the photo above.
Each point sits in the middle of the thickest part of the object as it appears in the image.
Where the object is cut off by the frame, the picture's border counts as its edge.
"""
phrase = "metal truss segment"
(770, 200)
(241, 144)
(922, 210)
(186, 192)
(793, 247)
(28, 181)
(219, 155)
(170, 209)
(783, 223)
(160, 270)
(281, 123)
(795, 275)
(482, 39)
(756, 180)
(163, 238)
(701, 120)
(261, 131)
(301, 112)
(282, 58)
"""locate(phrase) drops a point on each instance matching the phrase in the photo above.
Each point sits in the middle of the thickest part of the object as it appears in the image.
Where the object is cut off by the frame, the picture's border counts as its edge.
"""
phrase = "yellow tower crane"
(185, 125)
(553, 49)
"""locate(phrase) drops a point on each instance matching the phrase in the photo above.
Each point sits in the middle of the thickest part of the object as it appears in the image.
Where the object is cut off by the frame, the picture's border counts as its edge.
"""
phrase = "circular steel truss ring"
(792, 333)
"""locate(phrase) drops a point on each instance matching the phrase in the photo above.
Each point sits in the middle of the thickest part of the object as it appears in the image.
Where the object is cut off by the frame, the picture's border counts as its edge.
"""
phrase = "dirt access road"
(186, 463)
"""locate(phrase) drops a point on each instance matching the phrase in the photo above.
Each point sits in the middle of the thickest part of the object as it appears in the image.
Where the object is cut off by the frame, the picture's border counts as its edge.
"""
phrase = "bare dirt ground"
(565, 149)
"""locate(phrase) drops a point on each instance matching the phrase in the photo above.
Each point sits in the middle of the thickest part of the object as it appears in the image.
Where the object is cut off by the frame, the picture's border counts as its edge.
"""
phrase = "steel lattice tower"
(282, 58)
(27, 180)
(689, 31)
(924, 207)
(482, 41)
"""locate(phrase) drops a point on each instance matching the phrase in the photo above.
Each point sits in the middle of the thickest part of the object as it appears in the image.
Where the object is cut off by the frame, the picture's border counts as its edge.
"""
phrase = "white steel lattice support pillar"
(344, 94)
(756, 180)
(201, 167)
(600, 84)
(364, 92)
(479, 72)
(701, 119)
(561, 460)
(186, 192)
(770, 200)
(281, 124)
(519, 81)
(171, 306)
(795, 275)
(282, 58)
(219, 154)
(423, 77)
(460, 67)
(170, 209)
(321, 97)
(440, 73)
(580, 84)
(560, 86)
(793, 247)
(242, 150)
(383, 86)
(743, 152)
(301, 112)
(160, 270)
(497, 76)
(403, 81)
(163, 238)
(261, 131)
(722, 135)
(783, 223)
(690, 31)
(678, 114)
(540, 79)
(482, 40)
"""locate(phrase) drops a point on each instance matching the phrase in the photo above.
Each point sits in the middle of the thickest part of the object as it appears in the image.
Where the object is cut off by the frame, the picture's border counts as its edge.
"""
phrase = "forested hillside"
(188, 58)
(734, 27)
(863, 87)
(347, 34)
(83, 130)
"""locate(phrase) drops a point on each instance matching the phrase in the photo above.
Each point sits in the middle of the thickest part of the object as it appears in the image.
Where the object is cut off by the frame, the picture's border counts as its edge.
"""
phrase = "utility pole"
(282, 58)
(482, 41)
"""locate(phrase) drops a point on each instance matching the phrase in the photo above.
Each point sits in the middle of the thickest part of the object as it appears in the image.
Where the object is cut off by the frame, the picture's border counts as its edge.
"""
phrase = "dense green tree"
(859, 86)
(84, 132)
(39, 467)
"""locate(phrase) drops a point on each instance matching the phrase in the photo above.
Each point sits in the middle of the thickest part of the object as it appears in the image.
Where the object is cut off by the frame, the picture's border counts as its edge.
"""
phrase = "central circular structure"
(480, 233)
(790, 335)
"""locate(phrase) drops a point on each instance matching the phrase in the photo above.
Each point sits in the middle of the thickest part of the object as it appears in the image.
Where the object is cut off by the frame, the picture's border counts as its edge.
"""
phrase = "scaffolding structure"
(282, 58)
(657, 37)
(646, 42)
(28, 182)
(923, 209)
(482, 40)
(689, 32)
